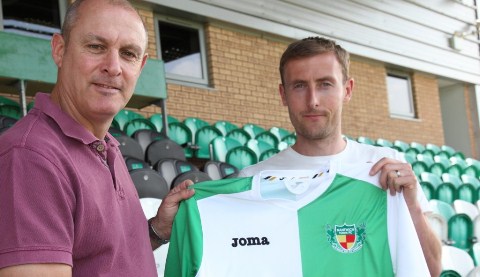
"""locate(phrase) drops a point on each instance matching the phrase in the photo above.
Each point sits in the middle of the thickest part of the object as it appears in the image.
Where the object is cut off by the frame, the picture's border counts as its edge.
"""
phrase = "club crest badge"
(346, 238)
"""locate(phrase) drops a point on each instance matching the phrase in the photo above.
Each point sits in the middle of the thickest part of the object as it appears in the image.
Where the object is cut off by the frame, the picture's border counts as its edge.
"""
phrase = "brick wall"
(244, 89)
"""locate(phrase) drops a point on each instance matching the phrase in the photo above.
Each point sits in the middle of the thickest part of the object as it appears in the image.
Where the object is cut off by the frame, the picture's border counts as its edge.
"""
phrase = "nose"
(313, 98)
(112, 64)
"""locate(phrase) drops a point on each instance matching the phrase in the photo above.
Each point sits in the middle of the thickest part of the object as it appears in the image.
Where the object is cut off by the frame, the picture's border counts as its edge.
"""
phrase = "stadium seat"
(170, 168)
(181, 134)
(253, 130)
(130, 147)
(137, 124)
(457, 260)
(440, 165)
(457, 166)
(290, 139)
(239, 134)
(134, 163)
(447, 150)
(241, 157)
(383, 142)
(194, 176)
(162, 149)
(203, 137)
(474, 182)
(149, 183)
(157, 118)
(115, 129)
(145, 137)
(267, 154)
(220, 147)
(225, 126)
(124, 116)
(422, 165)
(439, 226)
(268, 138)
(464, 207)
(416, 147)
(280, 133)
(429, 182)
(442, 208)
(473, 167)
(400, 145)
(194, 123)
(4, 101)
(7, 122)
(11, 111)
(476, 255)
(219, 170)
(450, 273)
(460, 231)
(435, 149)
(365, 140)
(259, 146)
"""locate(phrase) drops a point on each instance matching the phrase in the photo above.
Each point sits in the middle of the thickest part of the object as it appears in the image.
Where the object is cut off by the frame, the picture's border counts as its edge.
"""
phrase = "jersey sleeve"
(186, 242)
(36, 209)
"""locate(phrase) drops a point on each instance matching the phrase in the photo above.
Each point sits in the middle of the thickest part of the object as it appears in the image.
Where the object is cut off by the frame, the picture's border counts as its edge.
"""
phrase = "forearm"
(431, 245)
(155, 234)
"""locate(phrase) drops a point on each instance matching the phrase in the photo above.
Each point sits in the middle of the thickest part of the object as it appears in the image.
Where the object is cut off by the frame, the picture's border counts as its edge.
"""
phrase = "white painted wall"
(407, 33)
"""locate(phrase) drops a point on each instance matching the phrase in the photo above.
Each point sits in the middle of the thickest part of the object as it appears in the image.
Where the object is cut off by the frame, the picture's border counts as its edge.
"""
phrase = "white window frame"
(177, 78)
(409, 93)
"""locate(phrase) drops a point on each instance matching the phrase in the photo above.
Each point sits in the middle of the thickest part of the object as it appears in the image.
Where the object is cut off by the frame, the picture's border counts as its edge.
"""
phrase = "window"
(182, 48)
(32, 17)
(400, 98)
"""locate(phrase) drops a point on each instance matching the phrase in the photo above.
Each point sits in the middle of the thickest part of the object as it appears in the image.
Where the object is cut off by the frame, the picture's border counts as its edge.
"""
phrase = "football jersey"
(334, 221)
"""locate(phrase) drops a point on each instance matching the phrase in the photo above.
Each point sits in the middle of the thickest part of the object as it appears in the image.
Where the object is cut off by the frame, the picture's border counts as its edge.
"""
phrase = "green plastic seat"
(365, 140)
(194, 123)
(410, 157)
(416, 147)
(157, 118)
(253, 130)
(259, 146)
(290, 139)
(448, 150)
(268, 138)
(203, 137)
(400, 145)
(468, 179)
(446, 192)
(457, 166)
(10, 111)
(280, 133)
(220, 147)
(138, 124)
(181, 134)
(124, 116)
(383, 142)
(267, 154)
(440, 165)
(241, 157)
(225, 126)
(442, 208)
(30, 105)
(450, 273)
(460, 231)
(8, 102)
(239, 134)
(473, 167)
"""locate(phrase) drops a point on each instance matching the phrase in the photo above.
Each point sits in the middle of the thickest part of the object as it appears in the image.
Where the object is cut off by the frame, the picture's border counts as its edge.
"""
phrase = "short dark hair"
(312, 46)
(71, 16)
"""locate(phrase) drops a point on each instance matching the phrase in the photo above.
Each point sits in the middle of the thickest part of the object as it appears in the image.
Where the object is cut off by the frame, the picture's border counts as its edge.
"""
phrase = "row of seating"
(448, 187)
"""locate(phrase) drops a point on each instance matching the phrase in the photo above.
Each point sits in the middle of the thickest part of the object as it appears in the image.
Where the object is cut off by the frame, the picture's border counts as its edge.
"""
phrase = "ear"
(348, 90)
(144, 61)
(281, 91)
(58, 49)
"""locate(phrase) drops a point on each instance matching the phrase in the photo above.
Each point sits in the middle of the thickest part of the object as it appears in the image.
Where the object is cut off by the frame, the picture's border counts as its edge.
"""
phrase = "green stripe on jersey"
(356, 206)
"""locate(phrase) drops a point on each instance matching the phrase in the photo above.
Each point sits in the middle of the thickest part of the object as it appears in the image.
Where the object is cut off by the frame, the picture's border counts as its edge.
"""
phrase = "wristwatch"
(154, 235)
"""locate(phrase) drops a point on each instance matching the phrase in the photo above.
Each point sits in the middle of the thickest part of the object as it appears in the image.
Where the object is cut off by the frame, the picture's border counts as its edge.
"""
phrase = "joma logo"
(250, 241)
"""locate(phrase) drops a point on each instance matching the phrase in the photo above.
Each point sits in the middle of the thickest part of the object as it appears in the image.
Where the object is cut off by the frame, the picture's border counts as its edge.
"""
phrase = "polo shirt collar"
(67, 124)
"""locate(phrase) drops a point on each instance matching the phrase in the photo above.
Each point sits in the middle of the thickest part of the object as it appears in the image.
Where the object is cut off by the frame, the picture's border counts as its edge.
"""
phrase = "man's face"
(314, 93)
(100, 63)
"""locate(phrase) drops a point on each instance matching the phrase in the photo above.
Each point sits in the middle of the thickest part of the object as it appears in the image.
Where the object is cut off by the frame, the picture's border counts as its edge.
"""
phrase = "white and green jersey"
(335, 221)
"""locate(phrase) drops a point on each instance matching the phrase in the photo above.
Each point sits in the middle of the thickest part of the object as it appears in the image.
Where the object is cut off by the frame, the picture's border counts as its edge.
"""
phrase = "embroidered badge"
(346, 238)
